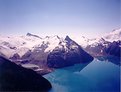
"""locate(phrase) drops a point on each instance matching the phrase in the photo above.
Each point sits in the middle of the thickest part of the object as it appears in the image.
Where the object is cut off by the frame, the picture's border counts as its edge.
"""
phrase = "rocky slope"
(17, 78)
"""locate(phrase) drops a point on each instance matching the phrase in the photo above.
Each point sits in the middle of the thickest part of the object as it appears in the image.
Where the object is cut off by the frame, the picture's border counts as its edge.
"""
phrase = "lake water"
(97, 76)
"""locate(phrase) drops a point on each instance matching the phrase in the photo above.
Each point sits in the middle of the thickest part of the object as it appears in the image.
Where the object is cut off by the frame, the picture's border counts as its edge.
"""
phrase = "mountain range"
(109, 44)
(41, 54)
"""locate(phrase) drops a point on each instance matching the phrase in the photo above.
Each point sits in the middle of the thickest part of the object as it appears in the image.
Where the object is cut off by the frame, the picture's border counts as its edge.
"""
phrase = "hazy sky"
(59, 17)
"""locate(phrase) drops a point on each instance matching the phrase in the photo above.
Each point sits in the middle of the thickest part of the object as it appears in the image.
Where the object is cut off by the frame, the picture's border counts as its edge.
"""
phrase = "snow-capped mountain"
(73, 53)
(82, 41)
(10, 45)
(114, 35)
(109, 44)
(55, 51)
(51, 51)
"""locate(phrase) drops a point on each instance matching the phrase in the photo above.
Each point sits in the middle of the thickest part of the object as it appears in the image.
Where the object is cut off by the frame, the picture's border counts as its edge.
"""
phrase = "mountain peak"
(55, 36)
(114, 35)
(29, 34)
(68, 38)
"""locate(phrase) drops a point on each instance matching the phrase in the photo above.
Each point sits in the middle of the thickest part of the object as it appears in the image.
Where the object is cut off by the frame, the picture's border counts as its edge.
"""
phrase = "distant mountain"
(114, 35)
(114, 48)
(48, 52)
(29, 34)
(17, 78)
(108, 44)
(82, 41)
(10, 45)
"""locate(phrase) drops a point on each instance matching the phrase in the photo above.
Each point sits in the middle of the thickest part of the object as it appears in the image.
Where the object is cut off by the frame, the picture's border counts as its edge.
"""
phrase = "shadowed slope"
(16, 78)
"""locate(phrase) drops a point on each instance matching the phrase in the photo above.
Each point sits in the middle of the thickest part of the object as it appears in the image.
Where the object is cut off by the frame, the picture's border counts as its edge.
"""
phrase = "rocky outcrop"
(17, 78)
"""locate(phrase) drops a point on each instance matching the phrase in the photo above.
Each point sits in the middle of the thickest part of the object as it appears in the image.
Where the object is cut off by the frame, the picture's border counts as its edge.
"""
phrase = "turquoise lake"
(100, 75)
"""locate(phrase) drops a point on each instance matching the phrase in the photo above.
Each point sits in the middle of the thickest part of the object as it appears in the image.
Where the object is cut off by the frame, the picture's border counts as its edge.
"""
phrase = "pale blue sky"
(59, 17)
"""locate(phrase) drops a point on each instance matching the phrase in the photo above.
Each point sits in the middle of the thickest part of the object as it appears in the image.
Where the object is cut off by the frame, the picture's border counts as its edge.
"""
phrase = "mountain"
(29, 34)
(71, 54)
(82, 41)
(114, 48)
(17, 78)
(10, 45)
(114, 35)
(55, 52)
(108, 44)
(48, 52)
